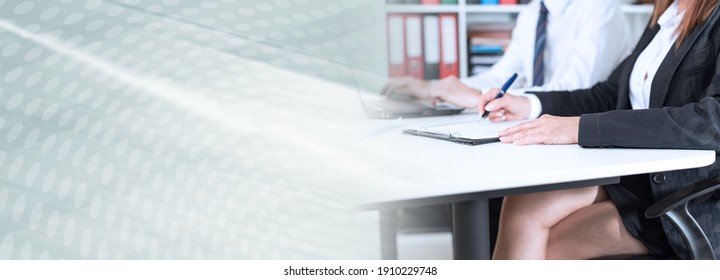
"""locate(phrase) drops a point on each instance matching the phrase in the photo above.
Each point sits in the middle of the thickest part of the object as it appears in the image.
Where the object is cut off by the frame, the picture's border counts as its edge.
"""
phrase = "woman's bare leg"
(594, 231)
(526, 220)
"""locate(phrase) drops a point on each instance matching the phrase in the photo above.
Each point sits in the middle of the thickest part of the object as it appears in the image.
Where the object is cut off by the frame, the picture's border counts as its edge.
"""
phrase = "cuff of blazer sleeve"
(589, 130)
(545, 99)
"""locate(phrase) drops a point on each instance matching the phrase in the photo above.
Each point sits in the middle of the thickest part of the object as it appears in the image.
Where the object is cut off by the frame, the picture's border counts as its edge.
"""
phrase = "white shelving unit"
(637, 15)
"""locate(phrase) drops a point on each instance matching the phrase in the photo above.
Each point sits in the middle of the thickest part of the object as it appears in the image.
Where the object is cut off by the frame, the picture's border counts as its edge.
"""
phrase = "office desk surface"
(422, 167)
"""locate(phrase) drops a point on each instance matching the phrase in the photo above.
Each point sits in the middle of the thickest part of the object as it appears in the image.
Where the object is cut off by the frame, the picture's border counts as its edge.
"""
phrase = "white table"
(428, 171)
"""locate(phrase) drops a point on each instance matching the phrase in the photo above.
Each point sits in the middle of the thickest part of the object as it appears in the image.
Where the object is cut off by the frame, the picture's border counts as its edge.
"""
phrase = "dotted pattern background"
(184, 129)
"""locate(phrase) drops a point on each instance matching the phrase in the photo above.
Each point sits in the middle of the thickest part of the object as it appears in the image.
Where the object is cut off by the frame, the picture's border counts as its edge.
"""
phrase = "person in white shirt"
(556, 45)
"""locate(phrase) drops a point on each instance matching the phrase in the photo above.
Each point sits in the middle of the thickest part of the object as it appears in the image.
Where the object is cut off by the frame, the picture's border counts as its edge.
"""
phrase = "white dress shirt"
(586, 40)
(648, 62)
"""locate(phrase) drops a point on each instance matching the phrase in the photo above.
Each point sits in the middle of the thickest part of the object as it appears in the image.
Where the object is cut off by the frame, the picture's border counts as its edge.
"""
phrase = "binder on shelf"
(396, 45)
(489, 2)
(412, 1)
(414, 46)
(508, 2)
(449, 2)
(431, 2)
(448, 46)
(431, 37)
(394, 1)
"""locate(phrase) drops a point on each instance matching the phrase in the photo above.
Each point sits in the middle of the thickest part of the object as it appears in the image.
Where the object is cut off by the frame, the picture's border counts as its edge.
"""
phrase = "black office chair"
(674, 208)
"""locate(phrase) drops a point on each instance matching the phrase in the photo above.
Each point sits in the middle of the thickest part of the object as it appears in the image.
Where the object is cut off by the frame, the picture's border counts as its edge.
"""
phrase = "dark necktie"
(540, 36)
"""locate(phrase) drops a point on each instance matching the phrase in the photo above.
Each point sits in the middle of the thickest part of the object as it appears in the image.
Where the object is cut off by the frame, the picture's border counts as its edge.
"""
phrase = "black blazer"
(684, 114)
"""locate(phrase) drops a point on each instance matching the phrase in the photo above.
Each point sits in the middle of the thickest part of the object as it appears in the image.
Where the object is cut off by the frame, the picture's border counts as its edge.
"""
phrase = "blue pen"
(501, 93)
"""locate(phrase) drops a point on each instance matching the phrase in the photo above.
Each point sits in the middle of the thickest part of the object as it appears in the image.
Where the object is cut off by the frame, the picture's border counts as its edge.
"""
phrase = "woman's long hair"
(696, 12)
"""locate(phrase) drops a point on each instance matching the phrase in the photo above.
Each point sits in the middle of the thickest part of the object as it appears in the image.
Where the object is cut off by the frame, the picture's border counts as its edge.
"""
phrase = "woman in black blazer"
(661, 96)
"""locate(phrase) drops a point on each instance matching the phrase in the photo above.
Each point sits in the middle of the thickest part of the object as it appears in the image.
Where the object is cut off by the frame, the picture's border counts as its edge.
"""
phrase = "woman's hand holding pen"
(507, 108)
(544, 130)
(449, 90)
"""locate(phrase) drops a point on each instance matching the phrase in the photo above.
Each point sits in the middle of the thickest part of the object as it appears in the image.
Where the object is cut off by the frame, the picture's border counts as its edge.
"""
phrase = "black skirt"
(632, 196)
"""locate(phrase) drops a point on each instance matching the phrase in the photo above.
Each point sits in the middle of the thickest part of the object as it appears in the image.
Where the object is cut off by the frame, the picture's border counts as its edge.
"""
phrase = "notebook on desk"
(471, 133)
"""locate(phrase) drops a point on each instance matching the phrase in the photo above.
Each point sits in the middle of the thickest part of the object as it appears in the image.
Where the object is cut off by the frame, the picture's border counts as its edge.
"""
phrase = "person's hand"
(407, 86)
(453, 91)
(449, 90)
(507, 108)
(544, 130)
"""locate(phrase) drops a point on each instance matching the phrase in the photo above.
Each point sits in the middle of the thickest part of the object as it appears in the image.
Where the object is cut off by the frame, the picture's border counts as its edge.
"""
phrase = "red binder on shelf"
(508, 2)
(431, 2)
(414, 46)
(396, 45)
(448, 46)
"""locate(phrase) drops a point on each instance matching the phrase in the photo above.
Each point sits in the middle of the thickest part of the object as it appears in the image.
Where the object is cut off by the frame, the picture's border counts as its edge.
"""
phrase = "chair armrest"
(674, 207)
(682, 196)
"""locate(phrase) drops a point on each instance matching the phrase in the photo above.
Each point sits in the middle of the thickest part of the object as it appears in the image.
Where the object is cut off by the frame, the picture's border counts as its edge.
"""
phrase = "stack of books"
(487, 45)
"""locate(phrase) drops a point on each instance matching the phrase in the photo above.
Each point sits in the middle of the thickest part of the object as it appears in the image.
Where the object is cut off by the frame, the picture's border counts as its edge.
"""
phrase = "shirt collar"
(556, 7)
(671, 18)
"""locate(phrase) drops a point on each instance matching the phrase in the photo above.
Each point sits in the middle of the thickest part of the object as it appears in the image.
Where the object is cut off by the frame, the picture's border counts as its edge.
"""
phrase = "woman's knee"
(528, 209)
(592, 232)
(546, 208)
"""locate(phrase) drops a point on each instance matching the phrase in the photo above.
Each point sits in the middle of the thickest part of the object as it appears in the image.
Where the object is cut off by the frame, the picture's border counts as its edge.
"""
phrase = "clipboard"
(470, 133)
(450, 137)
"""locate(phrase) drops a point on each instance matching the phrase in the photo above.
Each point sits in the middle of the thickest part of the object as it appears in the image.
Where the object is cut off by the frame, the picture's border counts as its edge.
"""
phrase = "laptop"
(382, 107)
(407, 108)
